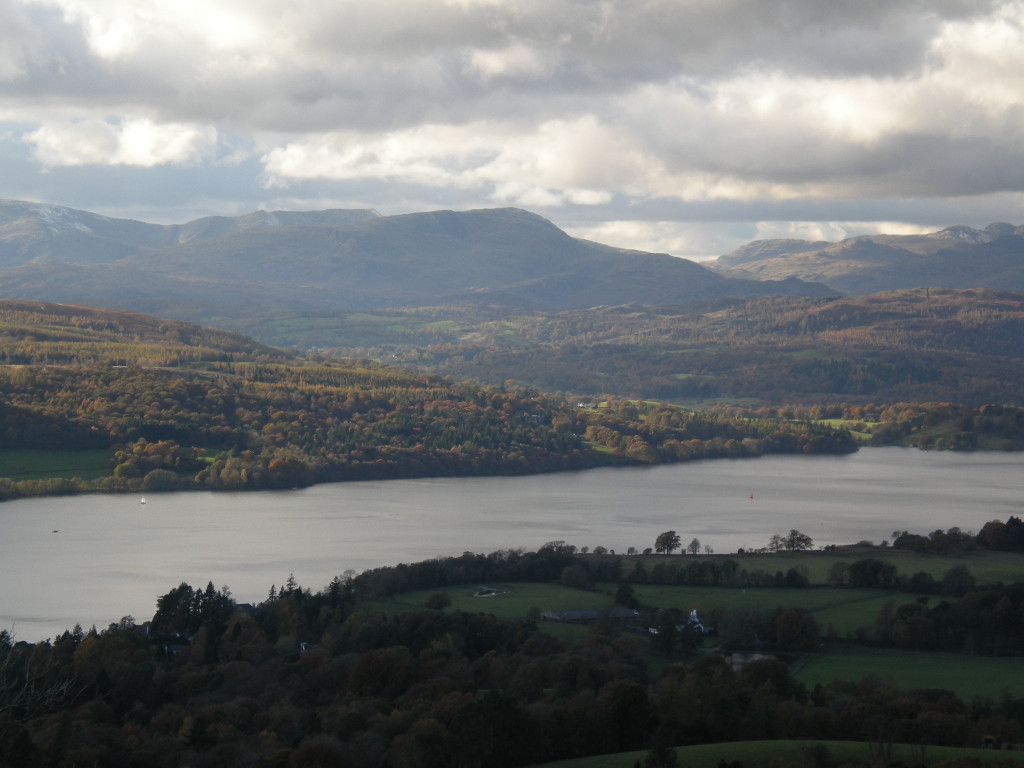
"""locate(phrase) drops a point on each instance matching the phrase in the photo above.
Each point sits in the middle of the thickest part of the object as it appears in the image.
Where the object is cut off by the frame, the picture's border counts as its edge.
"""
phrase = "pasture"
(987, 566)
(511, 601)
(840, 613)
(31, 464)
(967, 676)
(844, 610)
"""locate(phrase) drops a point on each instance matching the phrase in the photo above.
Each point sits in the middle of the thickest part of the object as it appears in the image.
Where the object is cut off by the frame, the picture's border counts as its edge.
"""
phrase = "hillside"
(588, 658)
(498, 295)
(955, 257)
(177, 407)
(39, 333)
(921, 345)
(225, 271)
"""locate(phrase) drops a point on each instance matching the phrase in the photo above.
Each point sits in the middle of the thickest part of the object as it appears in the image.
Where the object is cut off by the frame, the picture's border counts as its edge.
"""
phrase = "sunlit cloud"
(132, 142)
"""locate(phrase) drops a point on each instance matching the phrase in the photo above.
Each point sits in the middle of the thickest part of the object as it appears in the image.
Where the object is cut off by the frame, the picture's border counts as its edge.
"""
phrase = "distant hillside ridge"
(220, 270)
(40, 233)
(956, 257)
(43, 333)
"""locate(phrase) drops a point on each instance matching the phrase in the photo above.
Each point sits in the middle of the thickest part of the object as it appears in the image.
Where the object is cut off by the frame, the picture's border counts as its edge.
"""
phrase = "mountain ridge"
(212, 270)
(957, 257)
(41, 232)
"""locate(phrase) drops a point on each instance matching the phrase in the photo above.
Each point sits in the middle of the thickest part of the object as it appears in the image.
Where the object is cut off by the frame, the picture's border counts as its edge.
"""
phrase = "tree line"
(260, 425)
(899, 346)
(323, 678)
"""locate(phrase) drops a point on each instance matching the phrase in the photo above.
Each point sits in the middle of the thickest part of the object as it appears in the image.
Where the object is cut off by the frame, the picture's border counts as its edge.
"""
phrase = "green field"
(842, 610)
(515, 603)
(968, 676)
(845, 610)
(987, 566)
(26, 464)
(755, 754)
(863, 437)
(839, 612)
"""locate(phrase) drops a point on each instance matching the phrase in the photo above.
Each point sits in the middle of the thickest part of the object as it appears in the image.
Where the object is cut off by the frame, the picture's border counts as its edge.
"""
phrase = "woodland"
(920, 345)
(351, 675)
(355, 675)
(178, 406)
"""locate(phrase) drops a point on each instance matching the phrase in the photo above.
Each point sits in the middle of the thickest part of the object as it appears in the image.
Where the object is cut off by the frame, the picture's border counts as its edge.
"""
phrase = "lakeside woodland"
(407, 666)
(178, 406)
(157, 405)
(920, 345)
(403, 666)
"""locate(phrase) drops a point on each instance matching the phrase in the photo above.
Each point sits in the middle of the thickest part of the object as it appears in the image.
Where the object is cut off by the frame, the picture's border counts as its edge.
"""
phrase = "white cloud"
(434, 155)
(579, 161)
(126, 30)
(566, 104)
(834, 231)
(518, 60)
(685, 239)
(136, 142)
(983, 59)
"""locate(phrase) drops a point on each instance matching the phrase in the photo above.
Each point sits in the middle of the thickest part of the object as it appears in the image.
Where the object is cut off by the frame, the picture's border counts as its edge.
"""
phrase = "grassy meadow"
(968, 676)
(514, 601)
(841, 613)
(987, 566)
(845, 610)
(30, 464)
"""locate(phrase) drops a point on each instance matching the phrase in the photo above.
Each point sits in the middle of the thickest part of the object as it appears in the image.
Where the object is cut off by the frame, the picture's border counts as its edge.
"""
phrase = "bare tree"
(694, 546)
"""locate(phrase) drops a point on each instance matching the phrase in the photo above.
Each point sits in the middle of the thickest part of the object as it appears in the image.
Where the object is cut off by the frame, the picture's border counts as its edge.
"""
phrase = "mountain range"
(287, 277)
(215, 270)
(954, 257)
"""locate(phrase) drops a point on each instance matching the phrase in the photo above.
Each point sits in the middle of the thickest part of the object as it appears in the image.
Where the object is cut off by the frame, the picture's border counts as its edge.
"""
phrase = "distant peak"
(963, 233)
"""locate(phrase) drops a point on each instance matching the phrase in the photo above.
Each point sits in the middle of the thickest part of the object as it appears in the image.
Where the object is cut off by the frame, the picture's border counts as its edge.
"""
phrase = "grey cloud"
(610, 40)
(650, 77)
(391, 63)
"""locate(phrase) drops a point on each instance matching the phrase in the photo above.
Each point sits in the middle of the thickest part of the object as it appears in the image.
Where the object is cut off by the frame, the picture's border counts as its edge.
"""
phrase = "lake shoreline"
(112, 554)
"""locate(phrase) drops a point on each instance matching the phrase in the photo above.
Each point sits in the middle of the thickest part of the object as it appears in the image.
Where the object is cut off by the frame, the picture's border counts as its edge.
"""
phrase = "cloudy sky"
(688, 127)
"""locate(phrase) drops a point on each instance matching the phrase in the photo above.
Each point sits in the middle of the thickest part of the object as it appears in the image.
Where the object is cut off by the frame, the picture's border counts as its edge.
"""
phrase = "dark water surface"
(112, 556)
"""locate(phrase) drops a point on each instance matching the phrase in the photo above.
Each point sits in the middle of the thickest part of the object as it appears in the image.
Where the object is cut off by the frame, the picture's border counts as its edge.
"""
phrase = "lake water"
(94, 559)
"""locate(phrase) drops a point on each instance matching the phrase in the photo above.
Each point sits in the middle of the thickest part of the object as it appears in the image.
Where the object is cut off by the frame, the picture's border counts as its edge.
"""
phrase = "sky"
(687, 127)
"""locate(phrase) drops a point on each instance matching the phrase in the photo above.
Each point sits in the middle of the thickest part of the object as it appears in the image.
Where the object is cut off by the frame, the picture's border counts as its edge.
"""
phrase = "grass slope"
(845, 610)
(967, 676)
(30, 464)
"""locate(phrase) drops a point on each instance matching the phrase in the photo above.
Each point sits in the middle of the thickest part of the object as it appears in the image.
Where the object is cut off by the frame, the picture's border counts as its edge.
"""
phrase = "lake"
(93, 559)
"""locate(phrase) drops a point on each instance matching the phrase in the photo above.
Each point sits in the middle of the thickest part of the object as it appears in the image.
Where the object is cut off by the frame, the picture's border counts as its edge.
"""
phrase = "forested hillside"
(404, 667)
(178, 406)
(922, 345)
